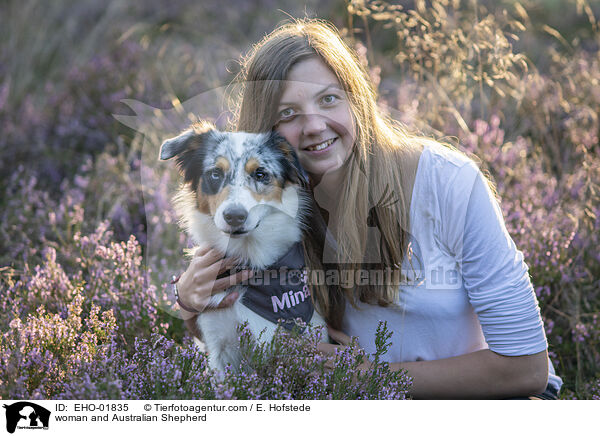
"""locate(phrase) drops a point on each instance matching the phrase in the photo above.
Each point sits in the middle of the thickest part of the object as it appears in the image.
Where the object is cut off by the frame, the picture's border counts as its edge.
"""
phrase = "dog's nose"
(235, 216)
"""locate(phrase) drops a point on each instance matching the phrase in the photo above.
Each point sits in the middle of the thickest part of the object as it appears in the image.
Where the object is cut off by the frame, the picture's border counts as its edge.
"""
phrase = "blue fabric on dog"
(280, 293)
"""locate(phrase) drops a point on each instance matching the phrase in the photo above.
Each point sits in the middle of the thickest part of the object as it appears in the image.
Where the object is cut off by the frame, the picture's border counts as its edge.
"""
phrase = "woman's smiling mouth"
(320, 146)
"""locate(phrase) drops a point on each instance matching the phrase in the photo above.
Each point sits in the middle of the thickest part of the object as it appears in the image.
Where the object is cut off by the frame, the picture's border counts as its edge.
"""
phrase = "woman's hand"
(329, 349)
(199, 282)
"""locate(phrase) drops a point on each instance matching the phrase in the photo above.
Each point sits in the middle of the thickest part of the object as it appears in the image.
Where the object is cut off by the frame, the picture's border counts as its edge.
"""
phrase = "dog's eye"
(215, 174)
(212, 180)
(260, 175)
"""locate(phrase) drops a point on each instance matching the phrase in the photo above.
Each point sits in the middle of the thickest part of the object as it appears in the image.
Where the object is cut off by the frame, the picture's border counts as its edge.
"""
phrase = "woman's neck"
(327, 187)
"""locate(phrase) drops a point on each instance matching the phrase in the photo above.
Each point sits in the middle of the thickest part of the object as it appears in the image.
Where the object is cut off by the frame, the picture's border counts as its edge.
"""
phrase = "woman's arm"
(478, 375)
(499, 289)
(481, 374)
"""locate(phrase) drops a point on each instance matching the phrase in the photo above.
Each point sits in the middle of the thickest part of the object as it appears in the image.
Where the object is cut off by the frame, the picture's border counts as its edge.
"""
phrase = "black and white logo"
(26, 415)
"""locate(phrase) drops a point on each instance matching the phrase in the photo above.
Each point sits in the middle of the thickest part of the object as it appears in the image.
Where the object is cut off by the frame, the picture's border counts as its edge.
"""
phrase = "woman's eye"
(330, 98)
(260, 175)
(286, 114)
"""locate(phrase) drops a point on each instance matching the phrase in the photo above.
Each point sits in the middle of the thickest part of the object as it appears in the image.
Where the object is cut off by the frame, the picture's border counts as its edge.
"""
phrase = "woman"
(465, 319)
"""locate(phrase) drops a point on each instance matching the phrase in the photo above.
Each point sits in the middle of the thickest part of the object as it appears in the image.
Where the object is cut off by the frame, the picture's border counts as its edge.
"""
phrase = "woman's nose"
(314, 124)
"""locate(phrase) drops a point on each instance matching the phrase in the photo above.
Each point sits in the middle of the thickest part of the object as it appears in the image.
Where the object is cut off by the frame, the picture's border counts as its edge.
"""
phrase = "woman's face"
(314, 116)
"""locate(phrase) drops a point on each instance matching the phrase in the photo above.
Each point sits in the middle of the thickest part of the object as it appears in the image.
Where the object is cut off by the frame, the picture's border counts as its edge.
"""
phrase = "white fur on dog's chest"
(220, 330)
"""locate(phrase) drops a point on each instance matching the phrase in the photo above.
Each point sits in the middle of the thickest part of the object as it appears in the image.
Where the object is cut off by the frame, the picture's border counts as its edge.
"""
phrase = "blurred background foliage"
(515, 83)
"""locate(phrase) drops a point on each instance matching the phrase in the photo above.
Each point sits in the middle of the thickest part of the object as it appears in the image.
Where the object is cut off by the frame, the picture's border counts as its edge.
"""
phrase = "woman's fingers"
(228, 301)
(220, 265)
(207, 258)
(212, 261)
(339, 336)
(202, 250)
(328, 351)
(209, 263)
(226, 282)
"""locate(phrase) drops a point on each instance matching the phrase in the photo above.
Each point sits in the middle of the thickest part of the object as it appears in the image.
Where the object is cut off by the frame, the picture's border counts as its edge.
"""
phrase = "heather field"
(88, 237)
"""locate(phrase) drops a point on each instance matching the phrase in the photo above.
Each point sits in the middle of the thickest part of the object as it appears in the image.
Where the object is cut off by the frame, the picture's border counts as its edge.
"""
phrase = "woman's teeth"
(321, 146)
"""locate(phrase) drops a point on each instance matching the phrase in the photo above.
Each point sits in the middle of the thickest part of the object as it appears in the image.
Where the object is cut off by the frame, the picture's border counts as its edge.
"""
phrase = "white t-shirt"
(469, 287)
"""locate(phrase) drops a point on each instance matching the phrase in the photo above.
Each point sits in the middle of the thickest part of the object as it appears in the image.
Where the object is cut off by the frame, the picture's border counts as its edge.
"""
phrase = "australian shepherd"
(247, 196)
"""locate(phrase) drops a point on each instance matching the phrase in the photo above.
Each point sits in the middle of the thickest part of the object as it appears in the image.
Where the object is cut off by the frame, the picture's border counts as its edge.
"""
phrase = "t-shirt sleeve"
(493, 270)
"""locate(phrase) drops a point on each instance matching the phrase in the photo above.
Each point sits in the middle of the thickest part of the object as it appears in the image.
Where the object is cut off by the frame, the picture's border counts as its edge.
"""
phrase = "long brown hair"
(378, 175)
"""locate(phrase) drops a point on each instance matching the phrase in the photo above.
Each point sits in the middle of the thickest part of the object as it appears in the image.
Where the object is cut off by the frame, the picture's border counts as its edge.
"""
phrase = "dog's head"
(238, 179)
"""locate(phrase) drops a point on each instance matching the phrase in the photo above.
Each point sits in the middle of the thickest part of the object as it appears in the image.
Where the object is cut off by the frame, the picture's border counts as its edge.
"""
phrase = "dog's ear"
(294, 171)
(189, 139)
(174, 146)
